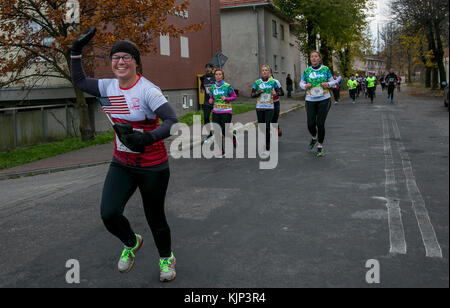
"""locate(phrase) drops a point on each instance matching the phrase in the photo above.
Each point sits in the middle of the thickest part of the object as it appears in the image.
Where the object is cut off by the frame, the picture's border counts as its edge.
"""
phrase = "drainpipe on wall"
(257, 40)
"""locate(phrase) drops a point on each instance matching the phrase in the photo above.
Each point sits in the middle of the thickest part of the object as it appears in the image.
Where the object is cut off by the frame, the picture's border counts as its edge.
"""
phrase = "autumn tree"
(330, 25)
(429, 17)
(36, 35)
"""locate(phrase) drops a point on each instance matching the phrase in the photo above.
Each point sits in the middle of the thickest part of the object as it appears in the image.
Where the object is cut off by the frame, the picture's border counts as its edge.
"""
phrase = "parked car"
(446, 94)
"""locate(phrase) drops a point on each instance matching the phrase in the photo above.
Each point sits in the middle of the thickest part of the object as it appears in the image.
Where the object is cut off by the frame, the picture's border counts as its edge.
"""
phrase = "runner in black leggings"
(221, 96)
(264, 90)
(391, 82)
(317, 80)
(140, 158)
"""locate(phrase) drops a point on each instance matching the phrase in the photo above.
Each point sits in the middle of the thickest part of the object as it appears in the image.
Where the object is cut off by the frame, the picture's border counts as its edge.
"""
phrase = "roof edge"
(244, 5)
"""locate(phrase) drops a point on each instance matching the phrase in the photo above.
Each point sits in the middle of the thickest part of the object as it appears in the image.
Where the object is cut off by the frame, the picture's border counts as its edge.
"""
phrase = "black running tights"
(317, 113)
(120, 184)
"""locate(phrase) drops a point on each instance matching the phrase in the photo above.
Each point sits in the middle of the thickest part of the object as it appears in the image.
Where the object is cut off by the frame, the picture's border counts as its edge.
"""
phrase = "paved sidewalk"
(102, 154)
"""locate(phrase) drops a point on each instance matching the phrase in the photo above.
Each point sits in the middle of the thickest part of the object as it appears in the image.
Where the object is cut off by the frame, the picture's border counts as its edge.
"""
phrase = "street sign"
(219, 59)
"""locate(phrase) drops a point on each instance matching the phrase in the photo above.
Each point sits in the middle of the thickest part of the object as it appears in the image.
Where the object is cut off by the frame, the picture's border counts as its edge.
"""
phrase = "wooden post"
(14, 118)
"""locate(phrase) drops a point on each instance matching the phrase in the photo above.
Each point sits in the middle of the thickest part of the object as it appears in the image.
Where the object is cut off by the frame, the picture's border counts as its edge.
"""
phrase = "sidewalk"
(102, 154)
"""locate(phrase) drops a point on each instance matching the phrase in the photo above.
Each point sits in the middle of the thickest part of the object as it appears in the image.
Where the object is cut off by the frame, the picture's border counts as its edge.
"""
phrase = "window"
(274, 28)
(282, 32)
(165, 45)
(283, 65)
(184, 47)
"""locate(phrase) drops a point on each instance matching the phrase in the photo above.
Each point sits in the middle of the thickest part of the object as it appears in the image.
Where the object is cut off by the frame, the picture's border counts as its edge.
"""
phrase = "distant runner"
(391, 82)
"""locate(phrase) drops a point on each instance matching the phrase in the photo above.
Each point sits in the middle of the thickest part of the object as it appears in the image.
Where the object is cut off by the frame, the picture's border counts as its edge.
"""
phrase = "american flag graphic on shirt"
(114, 104)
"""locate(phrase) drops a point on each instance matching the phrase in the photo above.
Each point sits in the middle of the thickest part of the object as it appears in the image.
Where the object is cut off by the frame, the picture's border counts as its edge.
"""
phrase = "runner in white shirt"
(140, 159)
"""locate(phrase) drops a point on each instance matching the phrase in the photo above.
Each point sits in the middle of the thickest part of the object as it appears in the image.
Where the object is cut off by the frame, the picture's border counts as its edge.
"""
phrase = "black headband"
(128, 47)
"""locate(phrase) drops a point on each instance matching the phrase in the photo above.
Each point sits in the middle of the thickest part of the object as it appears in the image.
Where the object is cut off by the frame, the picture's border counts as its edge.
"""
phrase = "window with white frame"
(184, 47)
(164, 45)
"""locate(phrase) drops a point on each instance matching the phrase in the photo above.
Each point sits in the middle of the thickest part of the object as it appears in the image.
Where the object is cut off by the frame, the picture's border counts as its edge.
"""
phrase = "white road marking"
(432, 247)
(396, 230)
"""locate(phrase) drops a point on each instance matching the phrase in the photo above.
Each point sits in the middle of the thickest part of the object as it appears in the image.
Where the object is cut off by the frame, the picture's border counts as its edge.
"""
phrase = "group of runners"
(368, 85)
(219, 95)
(140, 159)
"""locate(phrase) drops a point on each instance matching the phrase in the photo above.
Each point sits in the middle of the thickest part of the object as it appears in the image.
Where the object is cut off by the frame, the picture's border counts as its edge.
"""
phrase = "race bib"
(316, 92)
(266, 98)
(122, 148)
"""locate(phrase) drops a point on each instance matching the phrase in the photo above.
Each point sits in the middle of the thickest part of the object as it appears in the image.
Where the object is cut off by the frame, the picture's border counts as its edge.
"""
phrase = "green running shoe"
(126, 261)
(167, 268)
(319, 152)
(313, 143)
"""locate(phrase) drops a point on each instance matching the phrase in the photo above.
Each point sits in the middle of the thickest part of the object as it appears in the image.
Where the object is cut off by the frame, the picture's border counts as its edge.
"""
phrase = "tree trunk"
(435, 79)
(86, 129)
(439, 55)
(345, 62)
(327, 54)
(87, 133)
(409, 65)
(311, 39)
(432, 48)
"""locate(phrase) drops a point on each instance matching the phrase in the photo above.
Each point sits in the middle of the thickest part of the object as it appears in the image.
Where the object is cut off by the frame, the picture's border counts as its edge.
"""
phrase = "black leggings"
(276, 112)
(336, 94)
(120, 184)
(266, 116)
(317, 114)
(222, 119)
(207, 109)
(352, 93)
(391, 90)
(371, 92)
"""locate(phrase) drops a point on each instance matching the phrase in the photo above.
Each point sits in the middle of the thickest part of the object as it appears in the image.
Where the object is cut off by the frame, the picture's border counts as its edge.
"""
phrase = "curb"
(16, 175)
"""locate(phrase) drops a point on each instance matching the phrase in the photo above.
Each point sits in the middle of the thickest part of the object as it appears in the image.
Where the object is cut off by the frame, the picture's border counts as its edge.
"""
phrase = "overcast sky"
(381, 16)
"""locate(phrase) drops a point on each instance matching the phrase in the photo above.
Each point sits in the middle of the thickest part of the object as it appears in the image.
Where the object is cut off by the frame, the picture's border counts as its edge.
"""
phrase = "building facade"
(253, 34)
(368, 65)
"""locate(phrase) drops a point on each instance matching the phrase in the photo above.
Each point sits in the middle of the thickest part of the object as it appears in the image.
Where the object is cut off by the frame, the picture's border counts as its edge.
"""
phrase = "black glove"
(137, 141)
(122, 129)
(134, 140)
(83, 40)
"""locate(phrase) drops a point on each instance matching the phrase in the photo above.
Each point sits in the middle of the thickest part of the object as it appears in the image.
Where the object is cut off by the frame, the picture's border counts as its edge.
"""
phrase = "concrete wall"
(240, 45)
(289, 58)
(33, 126)
(248, 43)
(182, 101)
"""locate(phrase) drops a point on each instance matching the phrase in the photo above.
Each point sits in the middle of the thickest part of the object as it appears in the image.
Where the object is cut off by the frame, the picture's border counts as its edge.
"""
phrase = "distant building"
(253, 34)
(368, 65)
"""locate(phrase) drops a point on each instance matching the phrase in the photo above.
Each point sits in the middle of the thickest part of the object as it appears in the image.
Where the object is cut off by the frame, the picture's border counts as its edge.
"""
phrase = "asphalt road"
(380, 193)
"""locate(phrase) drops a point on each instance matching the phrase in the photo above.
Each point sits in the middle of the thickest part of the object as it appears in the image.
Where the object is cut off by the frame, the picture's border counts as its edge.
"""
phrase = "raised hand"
(83, 40)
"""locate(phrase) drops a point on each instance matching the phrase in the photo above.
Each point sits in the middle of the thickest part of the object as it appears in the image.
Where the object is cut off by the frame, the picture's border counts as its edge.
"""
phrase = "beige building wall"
(248, 41)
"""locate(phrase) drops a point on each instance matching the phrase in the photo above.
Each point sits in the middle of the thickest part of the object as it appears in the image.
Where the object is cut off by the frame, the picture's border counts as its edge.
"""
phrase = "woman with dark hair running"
(317, 80)
(140, 159)
(391, 82)
(221, 96)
